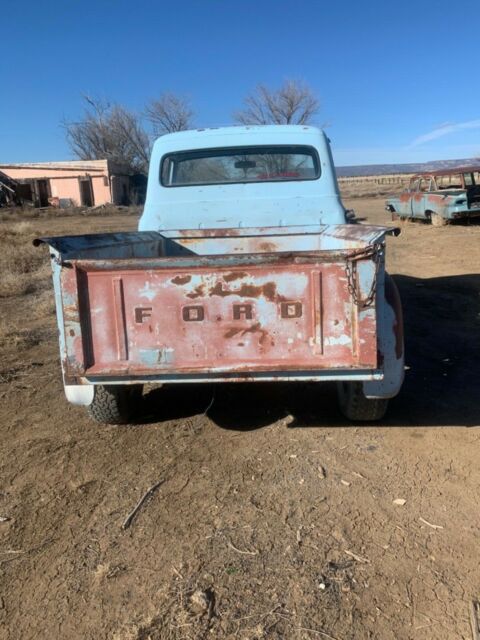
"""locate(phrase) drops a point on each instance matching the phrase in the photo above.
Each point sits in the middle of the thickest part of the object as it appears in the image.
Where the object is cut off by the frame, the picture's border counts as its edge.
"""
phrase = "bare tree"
(169, 113)
(112, 132)
(293, 103)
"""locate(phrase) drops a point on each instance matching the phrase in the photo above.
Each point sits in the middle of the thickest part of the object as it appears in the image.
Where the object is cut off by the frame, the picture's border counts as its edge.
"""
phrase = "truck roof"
(231, 136)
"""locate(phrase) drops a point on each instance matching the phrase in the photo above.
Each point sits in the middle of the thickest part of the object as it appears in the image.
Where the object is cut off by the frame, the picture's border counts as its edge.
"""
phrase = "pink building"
(84, 183)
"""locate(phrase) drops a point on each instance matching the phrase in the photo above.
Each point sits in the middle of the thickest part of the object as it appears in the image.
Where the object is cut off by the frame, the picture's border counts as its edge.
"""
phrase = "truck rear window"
(239, 165)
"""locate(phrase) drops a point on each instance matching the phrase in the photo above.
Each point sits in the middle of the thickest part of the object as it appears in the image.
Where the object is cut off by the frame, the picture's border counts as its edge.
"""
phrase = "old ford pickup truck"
(243, 270)
(440, 197)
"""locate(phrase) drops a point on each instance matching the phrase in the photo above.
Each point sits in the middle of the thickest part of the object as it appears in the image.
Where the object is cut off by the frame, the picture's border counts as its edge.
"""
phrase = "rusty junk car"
(440, 197)
(244, 269)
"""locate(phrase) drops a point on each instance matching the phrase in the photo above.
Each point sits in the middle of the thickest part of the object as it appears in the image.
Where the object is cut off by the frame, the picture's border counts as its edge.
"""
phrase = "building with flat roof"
(77, 183)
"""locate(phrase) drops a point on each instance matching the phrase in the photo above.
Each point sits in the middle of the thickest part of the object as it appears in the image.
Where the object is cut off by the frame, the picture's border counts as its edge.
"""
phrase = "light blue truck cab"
(244, 269)
(255, 176)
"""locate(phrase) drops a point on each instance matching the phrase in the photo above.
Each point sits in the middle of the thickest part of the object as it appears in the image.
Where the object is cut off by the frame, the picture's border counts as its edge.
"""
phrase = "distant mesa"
(387, 169)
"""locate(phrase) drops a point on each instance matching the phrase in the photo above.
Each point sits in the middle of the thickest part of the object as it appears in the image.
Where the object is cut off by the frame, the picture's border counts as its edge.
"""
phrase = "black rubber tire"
(355, 406)
(114, 404)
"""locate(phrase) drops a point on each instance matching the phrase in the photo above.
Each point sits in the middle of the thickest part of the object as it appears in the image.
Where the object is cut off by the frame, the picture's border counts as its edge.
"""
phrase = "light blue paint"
(156, 357)
(259, 204)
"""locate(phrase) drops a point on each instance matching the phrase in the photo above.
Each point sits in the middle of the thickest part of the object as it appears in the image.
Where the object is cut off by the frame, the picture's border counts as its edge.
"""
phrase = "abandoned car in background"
(441, 196)
(244, 269)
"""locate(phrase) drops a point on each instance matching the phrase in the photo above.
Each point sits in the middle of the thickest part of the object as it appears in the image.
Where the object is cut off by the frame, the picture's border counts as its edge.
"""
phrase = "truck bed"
(219, 304)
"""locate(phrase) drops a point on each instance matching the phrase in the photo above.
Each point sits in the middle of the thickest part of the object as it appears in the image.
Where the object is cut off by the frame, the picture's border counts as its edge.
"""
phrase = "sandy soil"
(277, 528)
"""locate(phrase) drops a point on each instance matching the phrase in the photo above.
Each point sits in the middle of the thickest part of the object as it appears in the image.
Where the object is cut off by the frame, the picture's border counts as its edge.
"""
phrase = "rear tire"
(437, 220)
(355, 406)
(114, 404)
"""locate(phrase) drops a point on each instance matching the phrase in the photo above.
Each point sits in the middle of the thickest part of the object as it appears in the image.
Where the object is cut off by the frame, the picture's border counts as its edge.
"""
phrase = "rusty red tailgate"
(287, 317)
(154, 305)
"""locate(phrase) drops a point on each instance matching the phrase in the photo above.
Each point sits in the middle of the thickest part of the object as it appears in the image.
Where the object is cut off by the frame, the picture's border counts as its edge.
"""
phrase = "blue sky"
(398, 82)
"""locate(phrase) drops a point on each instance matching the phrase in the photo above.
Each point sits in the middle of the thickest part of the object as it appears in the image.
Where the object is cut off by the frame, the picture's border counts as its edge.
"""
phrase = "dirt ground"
(264, 526)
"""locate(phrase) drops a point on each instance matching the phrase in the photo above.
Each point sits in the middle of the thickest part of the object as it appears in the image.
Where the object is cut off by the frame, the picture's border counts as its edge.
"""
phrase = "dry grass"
(20, 339)
(373, 186)
(368, 190)
(44, 304)
(26, 291)
(18, 214)
(23, 268)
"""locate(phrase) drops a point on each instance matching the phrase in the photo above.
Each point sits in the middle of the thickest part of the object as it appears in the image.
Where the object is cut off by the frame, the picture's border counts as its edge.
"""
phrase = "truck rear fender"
(390, 344)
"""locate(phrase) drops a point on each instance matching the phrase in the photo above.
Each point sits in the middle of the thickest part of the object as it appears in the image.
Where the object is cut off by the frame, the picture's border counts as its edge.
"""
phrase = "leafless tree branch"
(293, 103)
(169, 113)
(111, 132)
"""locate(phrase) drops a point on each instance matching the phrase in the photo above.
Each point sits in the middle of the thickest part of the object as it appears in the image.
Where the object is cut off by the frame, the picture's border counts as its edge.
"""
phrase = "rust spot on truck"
(198, 292)
(231, 333)
(268, 290)
(218, 290)
(222, 233)
(254, 328)
(192, 234)
(234, 275)
(268, 246)
(181, 279)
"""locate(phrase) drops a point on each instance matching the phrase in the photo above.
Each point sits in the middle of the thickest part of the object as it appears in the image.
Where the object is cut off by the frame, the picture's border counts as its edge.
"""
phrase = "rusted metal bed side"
(143, 244)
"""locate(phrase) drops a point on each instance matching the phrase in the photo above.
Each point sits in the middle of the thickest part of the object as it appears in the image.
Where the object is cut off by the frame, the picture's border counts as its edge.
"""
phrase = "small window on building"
(105, 181)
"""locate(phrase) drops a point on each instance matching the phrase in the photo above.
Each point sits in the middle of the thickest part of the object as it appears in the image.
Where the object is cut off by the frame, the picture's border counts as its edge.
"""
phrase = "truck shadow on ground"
(442, 382)
(442, 345)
